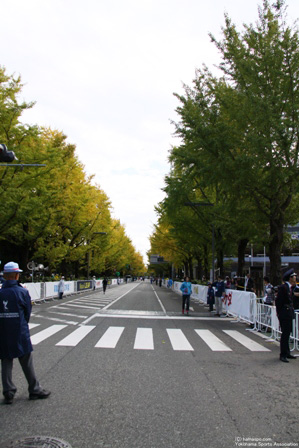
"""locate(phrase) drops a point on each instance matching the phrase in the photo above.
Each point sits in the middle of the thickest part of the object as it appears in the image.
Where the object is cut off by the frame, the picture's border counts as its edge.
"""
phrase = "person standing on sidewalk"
(210, 296)
(269, 292)
(219, 294)
(15, 310)
(249, 283)
(186, 288)
(285, 313)
(61, 288)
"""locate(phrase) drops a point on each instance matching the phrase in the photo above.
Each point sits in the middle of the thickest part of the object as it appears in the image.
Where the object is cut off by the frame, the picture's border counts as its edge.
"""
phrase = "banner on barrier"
(83, 285)
(237, 303)
(241, 304)
(98, 283)
(51, 289)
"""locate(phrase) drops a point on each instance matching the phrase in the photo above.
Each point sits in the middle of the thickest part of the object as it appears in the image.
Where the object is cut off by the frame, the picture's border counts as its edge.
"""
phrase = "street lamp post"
(207, 204)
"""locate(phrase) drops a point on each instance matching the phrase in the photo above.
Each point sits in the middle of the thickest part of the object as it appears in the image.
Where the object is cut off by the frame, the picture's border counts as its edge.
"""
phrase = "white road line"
(89, 302)
(144, 339)
(148, 316)
(161, 304)
(71, 305)
(32, 325)
(60, 307)
(108, 306)
(56, 319)
(44, 334)
(178, 340)
(110, 338)
(76, 336)
(247, 342)
(123, 295)
(68, 314)
(212, 341)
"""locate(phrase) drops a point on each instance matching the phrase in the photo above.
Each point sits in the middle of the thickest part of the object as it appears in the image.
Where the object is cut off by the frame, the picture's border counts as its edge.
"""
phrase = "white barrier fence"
(236, 303)
(245, 306)
(49, 290)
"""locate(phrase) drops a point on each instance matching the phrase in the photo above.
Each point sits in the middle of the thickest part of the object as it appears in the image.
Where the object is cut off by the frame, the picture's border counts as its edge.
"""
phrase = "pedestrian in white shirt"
(61, 288)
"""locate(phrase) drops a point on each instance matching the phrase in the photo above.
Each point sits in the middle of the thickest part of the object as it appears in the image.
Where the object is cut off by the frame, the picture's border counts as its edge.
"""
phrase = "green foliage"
(239, 140)
(53, 214)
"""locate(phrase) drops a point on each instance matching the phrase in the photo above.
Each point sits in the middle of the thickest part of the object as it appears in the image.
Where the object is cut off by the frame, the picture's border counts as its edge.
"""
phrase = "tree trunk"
(186, 269)
(242, 244)
(190, 264)
(219, 250)
(275, 245)
(220, 265)
(206, 268)
(199, 268)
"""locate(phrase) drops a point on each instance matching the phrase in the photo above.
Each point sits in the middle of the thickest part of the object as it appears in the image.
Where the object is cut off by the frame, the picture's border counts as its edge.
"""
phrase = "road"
(127, 370)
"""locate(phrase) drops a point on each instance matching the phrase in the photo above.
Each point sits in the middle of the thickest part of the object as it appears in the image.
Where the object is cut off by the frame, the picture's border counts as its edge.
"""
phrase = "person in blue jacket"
(219, 294)
(186, 288)
(15, 310)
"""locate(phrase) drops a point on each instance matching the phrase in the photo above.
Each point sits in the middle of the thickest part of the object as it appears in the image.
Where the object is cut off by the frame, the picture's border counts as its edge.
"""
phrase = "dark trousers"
(286, 326)
(186, 301)
(26, 362)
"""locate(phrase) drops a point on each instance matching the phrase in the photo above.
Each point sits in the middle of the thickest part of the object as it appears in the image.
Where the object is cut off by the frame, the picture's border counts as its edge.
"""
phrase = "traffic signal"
(5, 155)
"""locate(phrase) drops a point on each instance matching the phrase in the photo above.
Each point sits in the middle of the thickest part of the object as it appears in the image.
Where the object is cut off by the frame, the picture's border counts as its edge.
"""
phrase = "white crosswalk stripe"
(144, 338)
(110, 338)
(178, 340)
(89, 304)
(45, 334)
(74, 305)
(212, 341)
(33, 325)
(76, 336)
(246, 341)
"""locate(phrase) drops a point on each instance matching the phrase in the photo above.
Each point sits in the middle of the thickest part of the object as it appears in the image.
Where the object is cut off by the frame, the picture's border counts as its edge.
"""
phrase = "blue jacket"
(15, 310)
(220, 288)
(186, 288)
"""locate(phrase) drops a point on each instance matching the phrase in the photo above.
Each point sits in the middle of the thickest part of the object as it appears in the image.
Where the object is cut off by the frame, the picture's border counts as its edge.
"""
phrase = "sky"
(104, 72)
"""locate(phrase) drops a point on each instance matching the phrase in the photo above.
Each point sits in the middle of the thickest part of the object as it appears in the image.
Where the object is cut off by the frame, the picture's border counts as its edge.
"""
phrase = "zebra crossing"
(73, 311)
(144, 338)
(87, 303)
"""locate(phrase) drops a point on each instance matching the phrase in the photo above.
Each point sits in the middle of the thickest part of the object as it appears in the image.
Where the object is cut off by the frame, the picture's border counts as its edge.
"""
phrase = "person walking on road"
(61, 287)
(219, 294)
(105, 283)
(15, 310)
(285, 313)
(186, 288)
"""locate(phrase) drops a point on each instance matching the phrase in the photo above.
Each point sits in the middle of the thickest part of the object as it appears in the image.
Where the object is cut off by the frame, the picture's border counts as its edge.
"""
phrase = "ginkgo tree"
(239, 133)
(53, 214)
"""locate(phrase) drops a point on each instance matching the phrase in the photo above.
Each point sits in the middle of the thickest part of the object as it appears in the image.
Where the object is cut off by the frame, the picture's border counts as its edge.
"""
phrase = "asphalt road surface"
(127, 370)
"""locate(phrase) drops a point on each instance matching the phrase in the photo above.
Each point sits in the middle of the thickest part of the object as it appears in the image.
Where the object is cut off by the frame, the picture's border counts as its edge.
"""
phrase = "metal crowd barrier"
(267, 321)
(262, 317)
